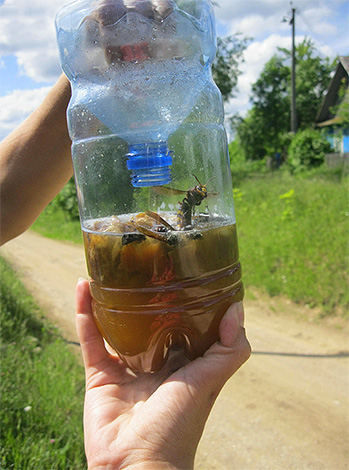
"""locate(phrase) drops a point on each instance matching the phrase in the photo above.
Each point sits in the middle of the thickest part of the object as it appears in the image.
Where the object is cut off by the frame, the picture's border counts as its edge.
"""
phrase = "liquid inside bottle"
(155, 288)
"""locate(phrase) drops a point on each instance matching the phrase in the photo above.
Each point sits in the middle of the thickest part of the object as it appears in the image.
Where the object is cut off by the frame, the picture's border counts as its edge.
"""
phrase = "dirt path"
(287, 408)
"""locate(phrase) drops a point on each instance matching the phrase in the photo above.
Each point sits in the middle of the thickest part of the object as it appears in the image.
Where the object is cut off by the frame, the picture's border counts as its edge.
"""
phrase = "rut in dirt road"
(287, 408)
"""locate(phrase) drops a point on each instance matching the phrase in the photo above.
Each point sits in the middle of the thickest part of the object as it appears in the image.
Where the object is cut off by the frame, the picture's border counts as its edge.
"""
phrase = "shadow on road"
(341, 354)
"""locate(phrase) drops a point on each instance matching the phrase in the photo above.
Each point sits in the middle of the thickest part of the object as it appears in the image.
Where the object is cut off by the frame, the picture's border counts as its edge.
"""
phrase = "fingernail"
(240, 313)
(81, 279)
(231, 323)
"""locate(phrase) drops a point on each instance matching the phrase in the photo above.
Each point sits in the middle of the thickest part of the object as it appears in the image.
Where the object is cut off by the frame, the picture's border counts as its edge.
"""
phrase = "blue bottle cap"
(150, 164)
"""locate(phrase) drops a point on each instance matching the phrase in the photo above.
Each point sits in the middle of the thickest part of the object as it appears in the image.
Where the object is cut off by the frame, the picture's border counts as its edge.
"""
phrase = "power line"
(315, 36)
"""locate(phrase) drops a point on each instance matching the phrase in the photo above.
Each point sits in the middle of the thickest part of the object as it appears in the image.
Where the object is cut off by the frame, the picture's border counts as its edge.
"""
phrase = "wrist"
(145, 465)
(157, 465)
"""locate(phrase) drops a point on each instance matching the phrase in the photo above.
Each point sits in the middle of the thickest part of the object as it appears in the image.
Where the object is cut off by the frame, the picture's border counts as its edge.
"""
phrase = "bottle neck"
(150, 164)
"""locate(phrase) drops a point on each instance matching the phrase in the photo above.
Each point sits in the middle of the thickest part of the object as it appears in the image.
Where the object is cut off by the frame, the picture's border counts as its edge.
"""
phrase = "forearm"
(35, 162)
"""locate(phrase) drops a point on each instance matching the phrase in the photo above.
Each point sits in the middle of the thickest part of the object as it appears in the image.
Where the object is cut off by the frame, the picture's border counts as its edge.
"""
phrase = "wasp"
(193, 197)
(153, 225)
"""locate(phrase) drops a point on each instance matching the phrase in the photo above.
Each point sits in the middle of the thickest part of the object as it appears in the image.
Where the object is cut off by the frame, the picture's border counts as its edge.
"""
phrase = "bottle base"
(145, 341)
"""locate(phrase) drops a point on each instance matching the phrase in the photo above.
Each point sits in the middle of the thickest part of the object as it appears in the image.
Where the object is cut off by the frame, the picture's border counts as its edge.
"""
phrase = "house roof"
(331, 98)
(345, 63)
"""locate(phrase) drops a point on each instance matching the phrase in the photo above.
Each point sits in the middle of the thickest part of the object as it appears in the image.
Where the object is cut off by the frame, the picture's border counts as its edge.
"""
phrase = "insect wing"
(159, 219)
(168, 191)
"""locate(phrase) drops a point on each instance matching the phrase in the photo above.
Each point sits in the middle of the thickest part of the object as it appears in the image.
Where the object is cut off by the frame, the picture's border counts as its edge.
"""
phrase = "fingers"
(234, 348)
(231, 324)
(209, 373)
(92, 343)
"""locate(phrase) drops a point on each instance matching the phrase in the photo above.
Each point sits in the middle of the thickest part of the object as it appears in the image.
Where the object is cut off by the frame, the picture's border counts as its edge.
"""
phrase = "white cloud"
(228, 11)
(27, 31)
(256, 56)
(16, 107)
(317, 19)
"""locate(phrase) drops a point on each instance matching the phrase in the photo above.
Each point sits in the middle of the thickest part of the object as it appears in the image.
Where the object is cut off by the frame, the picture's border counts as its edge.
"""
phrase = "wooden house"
(334, 112)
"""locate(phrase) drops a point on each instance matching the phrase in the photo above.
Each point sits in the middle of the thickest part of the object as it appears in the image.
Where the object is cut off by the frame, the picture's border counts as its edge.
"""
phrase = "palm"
(149, 418)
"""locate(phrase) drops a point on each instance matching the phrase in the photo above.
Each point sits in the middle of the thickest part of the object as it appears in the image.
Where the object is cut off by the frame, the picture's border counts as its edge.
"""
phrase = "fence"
(335, 160)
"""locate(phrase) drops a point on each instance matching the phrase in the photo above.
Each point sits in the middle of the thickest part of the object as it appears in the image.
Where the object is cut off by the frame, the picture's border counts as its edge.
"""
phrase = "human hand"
(151, 421)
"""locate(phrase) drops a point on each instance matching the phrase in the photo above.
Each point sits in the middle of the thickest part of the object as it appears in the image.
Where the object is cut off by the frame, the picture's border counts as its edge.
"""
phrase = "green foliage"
(262, 131)
(240, 167)
(225, 69)
(307, 150)
(271, 103)
(313, 76)
(236, 154)
(251, 135)
(41, 387)
(53, 223)
(293, 236)
(67, 201)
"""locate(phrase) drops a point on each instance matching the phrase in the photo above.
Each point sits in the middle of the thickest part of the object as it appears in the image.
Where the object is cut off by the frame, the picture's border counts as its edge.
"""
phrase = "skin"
(151, 421)
(35, 163)
(143, 421)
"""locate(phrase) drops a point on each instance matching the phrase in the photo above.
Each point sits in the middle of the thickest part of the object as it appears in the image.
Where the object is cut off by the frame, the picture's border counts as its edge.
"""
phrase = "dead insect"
(193, 197)
(132, 237)
(162, 230)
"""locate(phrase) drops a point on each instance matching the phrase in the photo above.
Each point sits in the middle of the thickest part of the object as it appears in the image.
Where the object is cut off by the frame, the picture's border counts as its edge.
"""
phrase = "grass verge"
(53, 223)
(293, 237)
(42, 387)
(293, 233)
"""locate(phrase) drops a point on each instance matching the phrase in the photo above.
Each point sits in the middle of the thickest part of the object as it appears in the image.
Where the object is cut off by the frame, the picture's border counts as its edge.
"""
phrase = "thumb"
(209, 373)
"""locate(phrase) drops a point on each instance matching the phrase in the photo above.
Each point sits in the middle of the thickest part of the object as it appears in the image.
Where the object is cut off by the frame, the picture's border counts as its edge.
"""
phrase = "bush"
(241, 168)
(67, 201)
(307, 150)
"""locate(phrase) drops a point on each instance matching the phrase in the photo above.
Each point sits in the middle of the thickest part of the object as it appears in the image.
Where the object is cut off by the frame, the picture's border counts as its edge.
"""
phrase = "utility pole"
(293, 77)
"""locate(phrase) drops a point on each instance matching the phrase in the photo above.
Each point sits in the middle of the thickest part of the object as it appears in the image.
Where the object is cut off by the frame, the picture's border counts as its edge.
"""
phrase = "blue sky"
(29, 60)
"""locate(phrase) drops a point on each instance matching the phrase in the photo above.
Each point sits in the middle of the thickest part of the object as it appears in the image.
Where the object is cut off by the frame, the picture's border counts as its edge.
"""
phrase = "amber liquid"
(151, 295)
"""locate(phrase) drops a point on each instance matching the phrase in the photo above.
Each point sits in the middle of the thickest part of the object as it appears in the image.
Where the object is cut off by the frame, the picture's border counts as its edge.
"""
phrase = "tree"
(269, 117)
(225, 68)
(271, 102)
(313, 75)
(251, 136)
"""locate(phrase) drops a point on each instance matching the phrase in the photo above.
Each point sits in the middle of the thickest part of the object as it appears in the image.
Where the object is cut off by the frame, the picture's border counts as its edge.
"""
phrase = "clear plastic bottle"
(152, 173)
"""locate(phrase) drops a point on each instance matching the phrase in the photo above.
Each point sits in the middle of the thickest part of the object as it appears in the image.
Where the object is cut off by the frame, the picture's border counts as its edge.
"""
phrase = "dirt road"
(287, 408)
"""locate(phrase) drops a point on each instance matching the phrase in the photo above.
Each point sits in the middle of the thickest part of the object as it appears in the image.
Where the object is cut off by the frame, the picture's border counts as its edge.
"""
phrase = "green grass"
(42, 387)
(293, 233)
(293, 237)
(53, 223)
